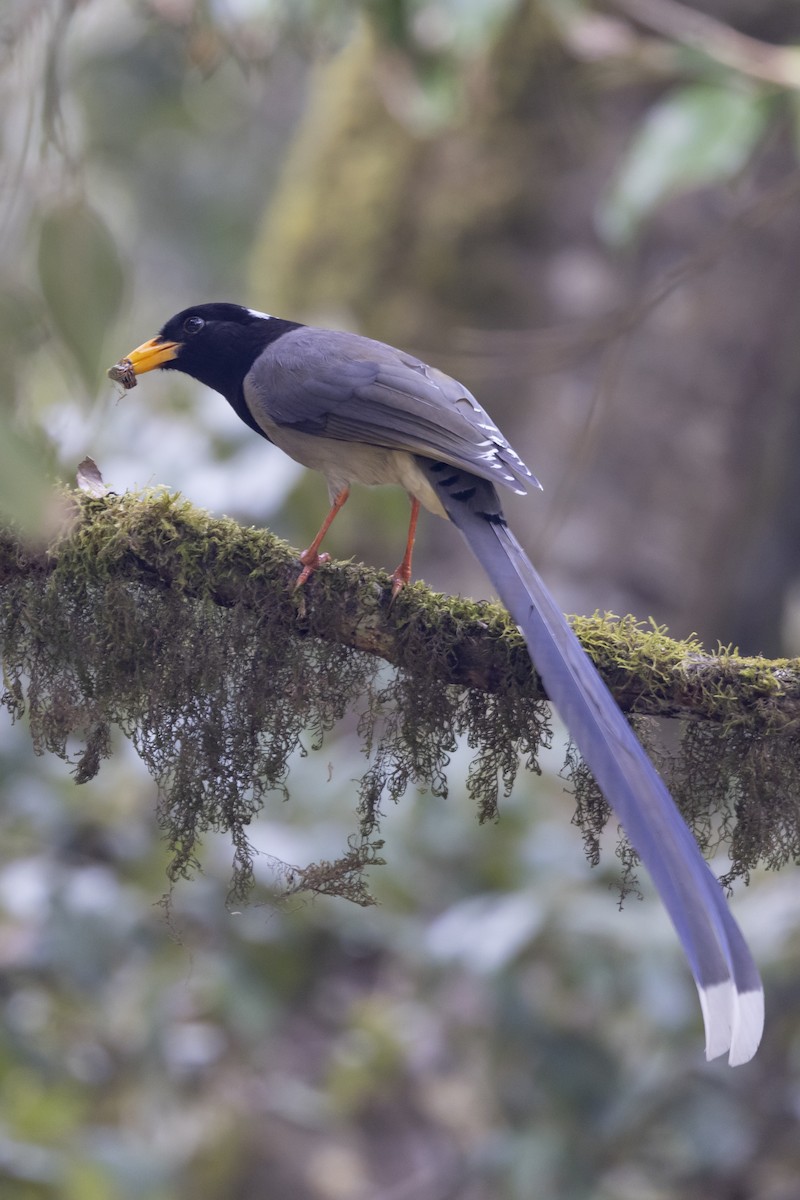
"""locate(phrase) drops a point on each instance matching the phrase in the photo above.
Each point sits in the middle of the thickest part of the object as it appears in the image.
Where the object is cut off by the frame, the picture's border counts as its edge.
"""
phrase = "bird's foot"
(400, 579)
(311, 560)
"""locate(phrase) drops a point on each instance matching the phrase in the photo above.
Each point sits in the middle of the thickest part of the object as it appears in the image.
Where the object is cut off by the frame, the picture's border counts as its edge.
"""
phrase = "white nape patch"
(255, 313)
(717, 1003)
(748, 1025)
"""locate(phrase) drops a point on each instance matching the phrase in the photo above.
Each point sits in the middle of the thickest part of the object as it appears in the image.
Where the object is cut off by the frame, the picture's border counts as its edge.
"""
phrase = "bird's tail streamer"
(726, 976)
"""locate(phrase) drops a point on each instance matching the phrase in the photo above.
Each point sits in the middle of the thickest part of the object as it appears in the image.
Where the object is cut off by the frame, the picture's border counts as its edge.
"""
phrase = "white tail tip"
(733, 1021)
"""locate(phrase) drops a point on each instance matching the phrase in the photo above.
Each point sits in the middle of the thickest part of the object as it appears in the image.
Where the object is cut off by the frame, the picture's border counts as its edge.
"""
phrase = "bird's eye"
(193, 324)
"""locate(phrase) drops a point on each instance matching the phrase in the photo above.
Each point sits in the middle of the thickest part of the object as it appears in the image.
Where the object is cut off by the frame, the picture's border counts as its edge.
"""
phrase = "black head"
(216, 344)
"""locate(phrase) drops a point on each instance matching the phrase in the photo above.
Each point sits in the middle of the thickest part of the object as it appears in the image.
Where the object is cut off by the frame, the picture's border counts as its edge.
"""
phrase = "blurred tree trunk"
(668, 452)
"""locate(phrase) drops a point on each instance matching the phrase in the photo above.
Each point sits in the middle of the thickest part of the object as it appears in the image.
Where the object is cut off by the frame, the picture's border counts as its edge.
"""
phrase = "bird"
(362, 411)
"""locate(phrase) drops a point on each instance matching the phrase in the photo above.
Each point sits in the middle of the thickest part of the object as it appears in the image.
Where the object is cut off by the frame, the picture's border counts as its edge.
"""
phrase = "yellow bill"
(146, 357)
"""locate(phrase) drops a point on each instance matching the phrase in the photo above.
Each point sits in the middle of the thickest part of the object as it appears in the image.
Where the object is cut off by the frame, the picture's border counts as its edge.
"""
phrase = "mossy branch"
(162, 541)
(186, 631)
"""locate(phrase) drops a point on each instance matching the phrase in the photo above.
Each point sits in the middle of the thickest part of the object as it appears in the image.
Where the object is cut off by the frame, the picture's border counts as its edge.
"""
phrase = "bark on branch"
(161, 542)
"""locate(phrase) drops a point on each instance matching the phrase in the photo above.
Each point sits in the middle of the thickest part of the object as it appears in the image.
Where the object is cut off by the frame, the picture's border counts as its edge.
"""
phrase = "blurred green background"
(589, 213)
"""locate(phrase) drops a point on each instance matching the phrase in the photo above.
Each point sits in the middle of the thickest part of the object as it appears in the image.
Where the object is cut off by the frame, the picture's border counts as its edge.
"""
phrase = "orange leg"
(402, 575)
(311, 558)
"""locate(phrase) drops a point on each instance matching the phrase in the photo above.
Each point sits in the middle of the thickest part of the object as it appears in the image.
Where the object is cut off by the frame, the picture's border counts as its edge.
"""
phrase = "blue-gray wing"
(353, 389)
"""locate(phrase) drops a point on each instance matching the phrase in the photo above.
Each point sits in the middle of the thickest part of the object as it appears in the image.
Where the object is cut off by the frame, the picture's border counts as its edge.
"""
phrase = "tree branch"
(778, 65)
(187, 633)
(162, 542)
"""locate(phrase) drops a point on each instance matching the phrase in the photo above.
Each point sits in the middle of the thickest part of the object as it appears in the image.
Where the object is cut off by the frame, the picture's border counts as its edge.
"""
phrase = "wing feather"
(353, 389)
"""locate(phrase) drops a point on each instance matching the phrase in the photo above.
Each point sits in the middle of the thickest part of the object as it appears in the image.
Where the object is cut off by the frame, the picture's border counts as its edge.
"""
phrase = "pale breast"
(343, 463)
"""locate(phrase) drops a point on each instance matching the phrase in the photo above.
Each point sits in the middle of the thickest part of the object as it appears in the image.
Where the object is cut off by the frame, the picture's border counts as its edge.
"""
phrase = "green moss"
(186, 632)
(404, 227)
(335, 217)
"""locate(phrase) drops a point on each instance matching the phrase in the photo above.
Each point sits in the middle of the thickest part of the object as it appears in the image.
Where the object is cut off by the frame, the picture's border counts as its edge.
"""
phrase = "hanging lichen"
(185, 632)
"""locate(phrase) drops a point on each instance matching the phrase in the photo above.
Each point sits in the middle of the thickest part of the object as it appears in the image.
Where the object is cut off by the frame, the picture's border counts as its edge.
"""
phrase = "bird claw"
(311, 560)
(400, 579)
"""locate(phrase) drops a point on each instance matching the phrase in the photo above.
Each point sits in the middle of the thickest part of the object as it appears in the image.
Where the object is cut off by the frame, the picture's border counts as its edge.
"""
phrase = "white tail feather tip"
(748, 1025)
(717, 1003)
(733, 1021)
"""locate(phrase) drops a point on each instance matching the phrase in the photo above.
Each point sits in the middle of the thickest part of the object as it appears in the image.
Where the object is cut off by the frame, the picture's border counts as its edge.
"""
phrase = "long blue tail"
(731, 993)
